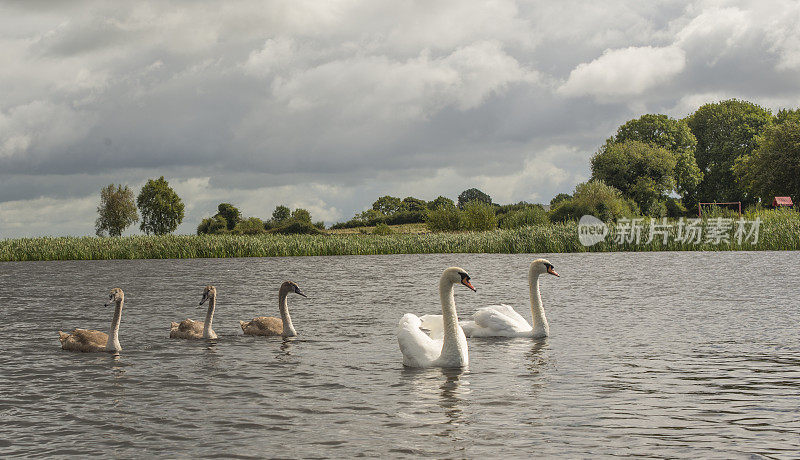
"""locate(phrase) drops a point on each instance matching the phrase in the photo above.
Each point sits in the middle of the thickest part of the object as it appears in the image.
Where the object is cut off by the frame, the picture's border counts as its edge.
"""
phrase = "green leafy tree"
(213, 226)
(659, 130)
(439, 202)
(414, 204)
(281, 213)
(641, 171)
(116, 212)
(444, 219)
(249, 226)
(301, 215)
(673, 135)
(478, 216)
(230, 213)
(773, 169)
(785, 115)
(369, 216)
(688, 178)
(725, 131)
(594, 198)
(559, 198)
(387, 205)
(161, 207)
(472, 194)
(525, 217)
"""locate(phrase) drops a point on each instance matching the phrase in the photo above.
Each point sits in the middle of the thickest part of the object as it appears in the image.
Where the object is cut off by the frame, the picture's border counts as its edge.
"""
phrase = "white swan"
(501, 320)
(189, 329)
(418, 349)
(269, 325)
(87, 340)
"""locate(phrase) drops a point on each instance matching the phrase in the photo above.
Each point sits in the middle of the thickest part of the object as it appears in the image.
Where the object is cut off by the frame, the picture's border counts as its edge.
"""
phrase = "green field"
(777, 232)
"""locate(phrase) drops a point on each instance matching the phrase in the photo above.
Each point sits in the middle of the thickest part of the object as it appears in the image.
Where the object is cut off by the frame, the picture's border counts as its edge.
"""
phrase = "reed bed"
(777, 232)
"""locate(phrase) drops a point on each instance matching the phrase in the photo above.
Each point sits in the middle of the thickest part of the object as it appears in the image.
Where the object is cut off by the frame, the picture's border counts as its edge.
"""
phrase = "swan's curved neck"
(452, 348)
(212, 303)
(288, 327)
(113, 336)
(540, 326)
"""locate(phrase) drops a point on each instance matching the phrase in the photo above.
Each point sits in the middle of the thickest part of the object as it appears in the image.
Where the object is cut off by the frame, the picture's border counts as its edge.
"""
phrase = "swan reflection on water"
(535, 359)
(449, 399)
(443, 388)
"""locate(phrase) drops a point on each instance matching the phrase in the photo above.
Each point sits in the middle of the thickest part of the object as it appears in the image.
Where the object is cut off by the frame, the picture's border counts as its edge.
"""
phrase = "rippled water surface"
(657, 354)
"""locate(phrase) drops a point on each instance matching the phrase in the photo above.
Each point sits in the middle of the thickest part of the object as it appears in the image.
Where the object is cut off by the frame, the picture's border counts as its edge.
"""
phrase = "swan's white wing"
(498, 321)
(418, 349)
(512, 314)
(434, 324)
(468, 327)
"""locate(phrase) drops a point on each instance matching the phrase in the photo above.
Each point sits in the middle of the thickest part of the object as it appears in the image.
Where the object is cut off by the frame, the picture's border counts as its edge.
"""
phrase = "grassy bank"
(776, 233)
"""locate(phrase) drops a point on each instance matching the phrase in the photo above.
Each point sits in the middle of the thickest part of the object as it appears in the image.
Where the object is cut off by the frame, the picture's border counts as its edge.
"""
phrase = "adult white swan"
(420, 350)
(189, 329)
(269, 325)
(502, 320)
(87, 340)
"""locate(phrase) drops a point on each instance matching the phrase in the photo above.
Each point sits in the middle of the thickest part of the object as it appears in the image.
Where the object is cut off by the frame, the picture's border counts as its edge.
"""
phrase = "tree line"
(654, 165)
(727, 151)
(228, 220)
(161, 209)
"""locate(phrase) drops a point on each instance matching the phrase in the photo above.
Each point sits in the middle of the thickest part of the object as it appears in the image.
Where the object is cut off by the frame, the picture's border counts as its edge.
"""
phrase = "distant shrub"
(594, 198)
(301, 215)
(216, 225)
(657, 208)
(675, 208)
(559, 198)
(320, 225)
(478, 216)
(525, 217)
(297, 228)
(251, 226)
(444, 219)
(382, 229)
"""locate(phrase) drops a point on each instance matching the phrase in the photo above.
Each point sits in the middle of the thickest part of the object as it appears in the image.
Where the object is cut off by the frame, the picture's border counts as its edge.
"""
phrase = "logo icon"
(591, 230)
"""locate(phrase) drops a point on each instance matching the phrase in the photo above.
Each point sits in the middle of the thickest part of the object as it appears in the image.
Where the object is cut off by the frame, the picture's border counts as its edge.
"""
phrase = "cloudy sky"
(329, 104)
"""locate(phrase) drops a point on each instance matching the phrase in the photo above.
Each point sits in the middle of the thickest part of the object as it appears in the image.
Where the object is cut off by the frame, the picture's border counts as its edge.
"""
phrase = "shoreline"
(553, 238)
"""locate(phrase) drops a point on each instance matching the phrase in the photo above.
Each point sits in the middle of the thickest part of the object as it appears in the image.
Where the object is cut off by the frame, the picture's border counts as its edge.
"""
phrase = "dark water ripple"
(658, 355)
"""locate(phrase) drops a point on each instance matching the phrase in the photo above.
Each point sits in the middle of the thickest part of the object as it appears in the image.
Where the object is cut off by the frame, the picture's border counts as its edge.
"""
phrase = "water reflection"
(450, 397)
(535, 358)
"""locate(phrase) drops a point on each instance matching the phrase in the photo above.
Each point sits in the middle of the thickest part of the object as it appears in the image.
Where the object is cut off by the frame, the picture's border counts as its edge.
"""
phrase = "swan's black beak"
(551, 271)
(298, 292)
(203, 300)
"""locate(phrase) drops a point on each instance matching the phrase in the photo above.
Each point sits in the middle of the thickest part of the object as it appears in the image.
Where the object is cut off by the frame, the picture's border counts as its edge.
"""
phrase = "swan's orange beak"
(465, 282)
(551, 271)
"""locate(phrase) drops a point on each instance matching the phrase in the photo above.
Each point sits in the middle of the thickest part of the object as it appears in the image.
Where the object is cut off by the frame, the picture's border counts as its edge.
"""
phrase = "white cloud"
(625, 72)
(378, 86)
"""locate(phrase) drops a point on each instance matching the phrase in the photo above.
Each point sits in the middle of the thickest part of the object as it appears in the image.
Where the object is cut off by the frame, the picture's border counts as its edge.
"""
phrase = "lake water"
(654, 354)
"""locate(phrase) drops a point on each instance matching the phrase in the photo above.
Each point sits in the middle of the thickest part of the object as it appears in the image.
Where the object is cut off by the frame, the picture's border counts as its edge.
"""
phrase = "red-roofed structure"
(782, 201)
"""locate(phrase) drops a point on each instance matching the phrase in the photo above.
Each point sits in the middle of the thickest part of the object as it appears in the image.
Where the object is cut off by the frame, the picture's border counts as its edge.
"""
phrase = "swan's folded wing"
(509, 311)
(434, 325)
(498, 321)
(418, 349)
